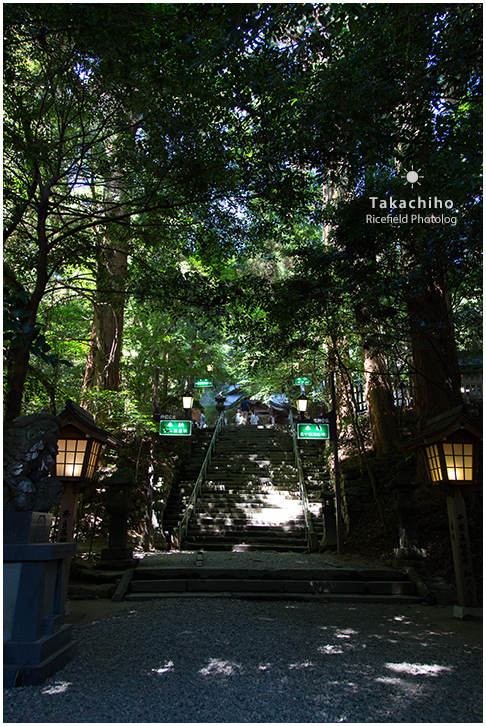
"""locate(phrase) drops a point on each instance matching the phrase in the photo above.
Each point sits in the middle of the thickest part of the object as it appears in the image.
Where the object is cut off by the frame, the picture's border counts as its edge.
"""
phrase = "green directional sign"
(303, 381)
(312, 431)
(203, 383)
(175, 428)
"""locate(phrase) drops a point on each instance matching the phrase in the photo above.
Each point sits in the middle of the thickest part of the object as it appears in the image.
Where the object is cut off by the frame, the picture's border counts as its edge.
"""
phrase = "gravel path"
(234, 661)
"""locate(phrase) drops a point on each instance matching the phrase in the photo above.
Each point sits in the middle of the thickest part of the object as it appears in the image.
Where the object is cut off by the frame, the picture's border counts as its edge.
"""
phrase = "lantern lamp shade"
(77, 458)
(449, 461)
(79, 444)
(301, 403)
(450, 443)
(187, 400)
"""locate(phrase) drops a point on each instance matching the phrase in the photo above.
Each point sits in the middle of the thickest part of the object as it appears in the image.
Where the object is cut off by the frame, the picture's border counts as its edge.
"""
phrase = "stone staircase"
(250, 501)
(250, 498)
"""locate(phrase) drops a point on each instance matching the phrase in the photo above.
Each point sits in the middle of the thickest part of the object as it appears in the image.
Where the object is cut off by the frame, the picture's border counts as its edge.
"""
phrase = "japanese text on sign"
(175, 428)
(312, 431)
(203, 383)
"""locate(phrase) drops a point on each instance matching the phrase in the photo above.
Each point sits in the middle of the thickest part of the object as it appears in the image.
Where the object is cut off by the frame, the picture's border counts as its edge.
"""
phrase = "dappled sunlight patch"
(401, 626)
(330, 649)
(335, 687)
(218, 667)
(270, 620)
(419, 638)
(300, 666)
(56, 688)
(388, 681)
(344, 636)
(163, 669)
(346, 633)
(384, 636)
(418, 669)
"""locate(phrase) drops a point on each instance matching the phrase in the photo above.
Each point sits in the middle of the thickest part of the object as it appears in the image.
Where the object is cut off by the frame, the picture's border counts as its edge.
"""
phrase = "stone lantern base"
(118, 555)
(36, 642)
(464, 613)
(116, 558)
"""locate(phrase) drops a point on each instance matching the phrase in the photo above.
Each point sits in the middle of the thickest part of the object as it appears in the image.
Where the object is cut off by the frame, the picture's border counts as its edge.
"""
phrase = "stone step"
(243, 481)
(217, 488)
(246, 432)
(271, 504)
(358, 599)
(251, 455)
(250, 528)
(230, 463)
(262, 531)
(239, 510)
(251, 493)
(262, 477)
(227, 467)
(253, 449)
(226, 522)
(267, 585)
(256, 442)
(255, 480)
(231, 467)
(250, 430)
(219, 545)
(245, 510)
(272, 498)
(287, 573)
(326, 584)
(264, 472)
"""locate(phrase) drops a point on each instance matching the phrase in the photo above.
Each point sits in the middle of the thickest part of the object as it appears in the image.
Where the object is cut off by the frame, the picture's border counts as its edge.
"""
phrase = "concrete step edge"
(335, 597)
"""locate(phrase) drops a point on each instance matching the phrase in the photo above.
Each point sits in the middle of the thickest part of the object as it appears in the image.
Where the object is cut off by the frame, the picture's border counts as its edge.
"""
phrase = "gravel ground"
(213, 660)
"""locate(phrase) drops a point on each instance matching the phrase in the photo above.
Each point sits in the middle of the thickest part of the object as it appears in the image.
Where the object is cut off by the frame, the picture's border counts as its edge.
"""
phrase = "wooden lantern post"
(451, 444)
(79, 448)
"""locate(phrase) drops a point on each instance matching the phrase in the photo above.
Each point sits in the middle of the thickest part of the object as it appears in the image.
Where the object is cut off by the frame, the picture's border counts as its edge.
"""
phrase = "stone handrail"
(311, 534)
(191, 505)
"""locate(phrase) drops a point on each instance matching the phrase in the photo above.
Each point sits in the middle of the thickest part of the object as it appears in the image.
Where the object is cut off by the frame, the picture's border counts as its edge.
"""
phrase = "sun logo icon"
(412, 177)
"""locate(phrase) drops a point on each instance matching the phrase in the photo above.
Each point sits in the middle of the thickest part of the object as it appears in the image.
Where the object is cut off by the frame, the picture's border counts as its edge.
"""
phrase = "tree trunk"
(17, 367)
(18, 357)
(436, 376)
(104, 355)
(381, 405)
